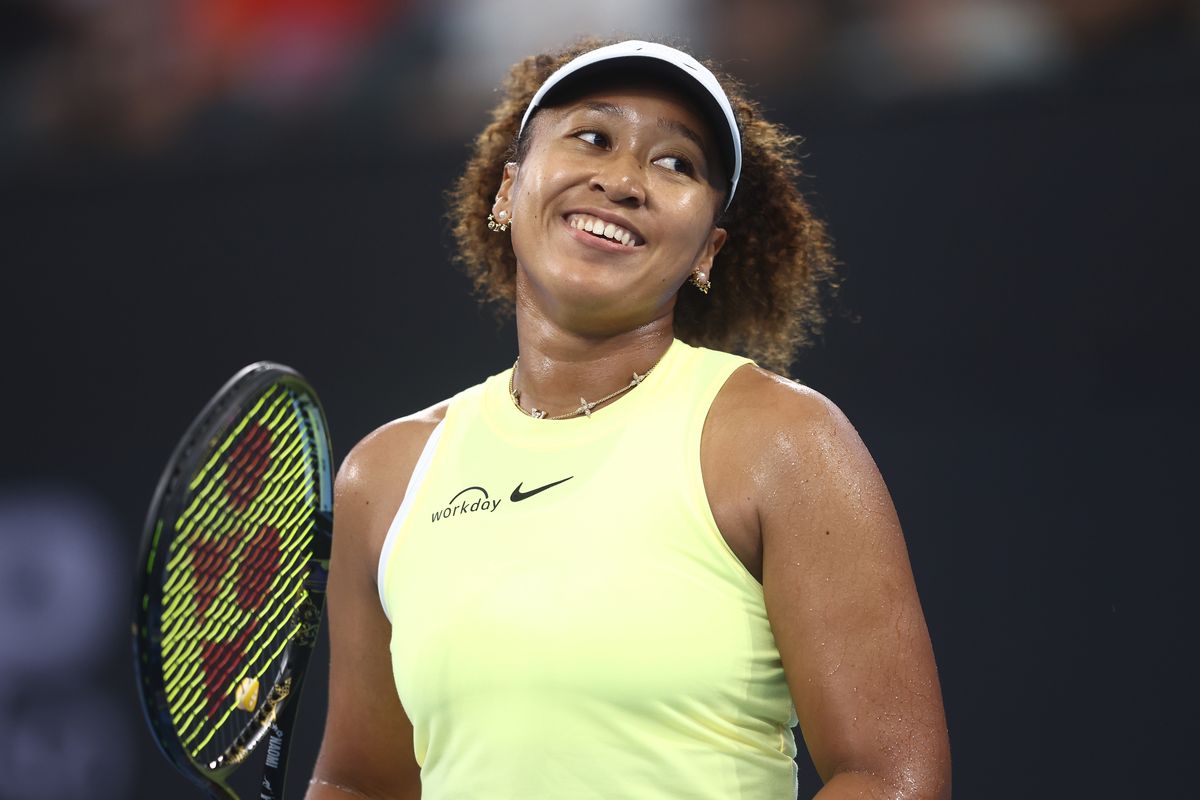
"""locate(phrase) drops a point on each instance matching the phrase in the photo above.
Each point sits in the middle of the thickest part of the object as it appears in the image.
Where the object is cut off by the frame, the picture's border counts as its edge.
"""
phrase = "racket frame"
(275, 714)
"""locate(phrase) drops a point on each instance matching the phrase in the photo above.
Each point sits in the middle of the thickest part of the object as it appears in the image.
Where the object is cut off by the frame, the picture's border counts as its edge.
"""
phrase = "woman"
(627, 566)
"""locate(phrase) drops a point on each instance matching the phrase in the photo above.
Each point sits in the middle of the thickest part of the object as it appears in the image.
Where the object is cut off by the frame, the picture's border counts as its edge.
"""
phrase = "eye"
(676, 164)
(593, 137)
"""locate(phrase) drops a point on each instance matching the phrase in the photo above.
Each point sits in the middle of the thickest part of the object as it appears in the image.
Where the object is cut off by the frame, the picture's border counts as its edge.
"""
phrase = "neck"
(559, 366)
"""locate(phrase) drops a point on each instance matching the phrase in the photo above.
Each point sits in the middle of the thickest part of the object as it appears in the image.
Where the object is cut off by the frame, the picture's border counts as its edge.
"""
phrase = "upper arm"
(842, 601)
(368, 740)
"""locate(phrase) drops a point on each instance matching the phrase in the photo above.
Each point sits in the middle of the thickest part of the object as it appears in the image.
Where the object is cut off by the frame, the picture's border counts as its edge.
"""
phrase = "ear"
(716, 240)
(504, 194)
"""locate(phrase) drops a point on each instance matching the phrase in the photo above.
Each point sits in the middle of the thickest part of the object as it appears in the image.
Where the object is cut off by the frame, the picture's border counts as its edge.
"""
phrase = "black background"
(1014, 343)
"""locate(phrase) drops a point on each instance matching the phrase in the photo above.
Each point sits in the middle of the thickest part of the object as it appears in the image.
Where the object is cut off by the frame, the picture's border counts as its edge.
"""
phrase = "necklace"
(585, 406)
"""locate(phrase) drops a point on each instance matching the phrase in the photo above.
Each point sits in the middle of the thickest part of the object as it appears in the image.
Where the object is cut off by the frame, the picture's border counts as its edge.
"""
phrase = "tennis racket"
(231, 588)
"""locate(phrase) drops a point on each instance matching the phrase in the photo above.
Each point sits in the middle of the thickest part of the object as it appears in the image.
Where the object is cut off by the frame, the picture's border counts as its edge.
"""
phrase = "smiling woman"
(648, 169)
(776, 260)
(628, 565)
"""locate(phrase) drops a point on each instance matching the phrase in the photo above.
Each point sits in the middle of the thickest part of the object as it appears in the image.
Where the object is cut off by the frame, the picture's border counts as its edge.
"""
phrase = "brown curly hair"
(774, 268)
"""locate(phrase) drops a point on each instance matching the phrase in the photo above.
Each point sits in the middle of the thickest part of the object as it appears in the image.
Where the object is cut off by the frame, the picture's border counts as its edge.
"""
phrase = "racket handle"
(279, 740)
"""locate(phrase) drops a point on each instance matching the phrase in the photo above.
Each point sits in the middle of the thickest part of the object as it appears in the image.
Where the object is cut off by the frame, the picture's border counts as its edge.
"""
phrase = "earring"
(700, 281)
(499, 222)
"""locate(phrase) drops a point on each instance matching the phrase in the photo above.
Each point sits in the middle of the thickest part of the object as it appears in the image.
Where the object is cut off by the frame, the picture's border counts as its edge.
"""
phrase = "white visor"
(710, 92)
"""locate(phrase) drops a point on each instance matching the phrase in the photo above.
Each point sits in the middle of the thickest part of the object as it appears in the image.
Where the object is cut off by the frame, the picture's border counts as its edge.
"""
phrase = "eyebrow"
(675, 126)
(683, 130)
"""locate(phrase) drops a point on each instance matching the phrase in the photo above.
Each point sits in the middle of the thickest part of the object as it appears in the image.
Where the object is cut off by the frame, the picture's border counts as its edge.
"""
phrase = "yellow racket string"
(236, 568)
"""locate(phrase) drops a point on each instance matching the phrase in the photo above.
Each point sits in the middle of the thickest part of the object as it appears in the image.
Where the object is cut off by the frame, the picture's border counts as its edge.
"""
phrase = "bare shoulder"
(812, 475)
(372, 480)
(773, 449)
(393, 446)
(769, 418)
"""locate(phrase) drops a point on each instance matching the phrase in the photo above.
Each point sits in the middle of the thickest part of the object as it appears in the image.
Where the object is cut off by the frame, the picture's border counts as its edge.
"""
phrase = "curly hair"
(773, 270)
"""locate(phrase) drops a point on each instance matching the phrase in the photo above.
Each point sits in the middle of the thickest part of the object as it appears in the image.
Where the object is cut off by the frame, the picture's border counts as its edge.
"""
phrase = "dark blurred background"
(190, 185)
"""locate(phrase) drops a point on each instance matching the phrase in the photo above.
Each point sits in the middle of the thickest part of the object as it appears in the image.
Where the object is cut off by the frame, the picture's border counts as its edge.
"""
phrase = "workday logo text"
(469, 500)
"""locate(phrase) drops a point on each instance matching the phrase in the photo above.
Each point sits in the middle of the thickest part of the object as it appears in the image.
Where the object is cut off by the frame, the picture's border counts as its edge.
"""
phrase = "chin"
(592, 299)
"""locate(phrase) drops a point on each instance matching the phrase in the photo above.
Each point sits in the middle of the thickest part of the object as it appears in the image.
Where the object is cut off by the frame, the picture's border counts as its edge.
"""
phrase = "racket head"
(234, 554)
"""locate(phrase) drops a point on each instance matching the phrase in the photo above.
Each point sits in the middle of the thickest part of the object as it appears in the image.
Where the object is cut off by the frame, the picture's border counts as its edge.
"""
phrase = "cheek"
(698, 206)
(695, 218)
(531, 194)
(536, 185)
(541, 177)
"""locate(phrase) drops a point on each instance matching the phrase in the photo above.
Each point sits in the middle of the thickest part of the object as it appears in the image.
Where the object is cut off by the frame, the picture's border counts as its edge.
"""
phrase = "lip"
(607, 216)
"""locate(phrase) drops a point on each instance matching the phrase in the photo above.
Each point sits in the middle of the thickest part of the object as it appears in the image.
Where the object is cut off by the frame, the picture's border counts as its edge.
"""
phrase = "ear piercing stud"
(499, 222)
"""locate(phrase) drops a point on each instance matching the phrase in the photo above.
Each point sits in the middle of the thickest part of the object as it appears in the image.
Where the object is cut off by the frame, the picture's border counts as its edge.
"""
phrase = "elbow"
(914, 779)
(924, 784)
(928, 783)
(926, 778)
(922, 776)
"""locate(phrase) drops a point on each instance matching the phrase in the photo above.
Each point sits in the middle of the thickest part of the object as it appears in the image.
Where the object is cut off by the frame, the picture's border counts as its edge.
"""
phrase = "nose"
(622, 180)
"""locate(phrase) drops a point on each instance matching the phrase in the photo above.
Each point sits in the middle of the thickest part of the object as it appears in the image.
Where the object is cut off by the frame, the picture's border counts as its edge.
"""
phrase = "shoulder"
(773, 416)
(802, 451)
(374, 476)
(390, 448)
(810, 470)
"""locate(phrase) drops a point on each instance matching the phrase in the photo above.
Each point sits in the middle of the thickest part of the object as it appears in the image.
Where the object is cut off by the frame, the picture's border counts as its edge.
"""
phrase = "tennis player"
(627, 566)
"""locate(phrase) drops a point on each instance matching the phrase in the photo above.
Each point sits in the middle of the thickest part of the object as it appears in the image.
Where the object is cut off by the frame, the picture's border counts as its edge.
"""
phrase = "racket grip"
(275, 771)
(279, 732)
(279, 741)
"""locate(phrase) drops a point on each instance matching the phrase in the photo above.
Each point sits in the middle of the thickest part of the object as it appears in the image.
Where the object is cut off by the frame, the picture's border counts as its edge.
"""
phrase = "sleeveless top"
(568, 621)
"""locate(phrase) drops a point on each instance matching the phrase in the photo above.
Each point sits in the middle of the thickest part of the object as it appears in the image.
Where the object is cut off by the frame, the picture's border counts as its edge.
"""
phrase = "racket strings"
(215, 625)
(211, 558)
(202, 525)
(236, 611)
(246, 638)
(237, 568)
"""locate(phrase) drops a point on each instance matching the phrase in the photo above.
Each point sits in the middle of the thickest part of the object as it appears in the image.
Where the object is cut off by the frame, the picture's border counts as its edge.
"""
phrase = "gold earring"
(499, 222)
(700, 281)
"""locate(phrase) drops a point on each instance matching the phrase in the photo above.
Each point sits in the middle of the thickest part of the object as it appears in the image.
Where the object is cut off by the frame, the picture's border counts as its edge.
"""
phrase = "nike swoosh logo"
(518, 495)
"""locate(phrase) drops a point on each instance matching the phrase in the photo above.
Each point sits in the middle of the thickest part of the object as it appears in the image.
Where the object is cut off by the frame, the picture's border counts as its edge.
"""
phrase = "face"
(613, 207)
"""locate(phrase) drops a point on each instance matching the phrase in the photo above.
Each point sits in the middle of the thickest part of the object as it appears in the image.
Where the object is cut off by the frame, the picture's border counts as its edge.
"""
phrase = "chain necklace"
(585, 406)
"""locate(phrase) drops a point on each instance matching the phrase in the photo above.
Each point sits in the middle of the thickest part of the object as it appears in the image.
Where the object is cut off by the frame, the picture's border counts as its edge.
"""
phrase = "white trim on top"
(414, 484)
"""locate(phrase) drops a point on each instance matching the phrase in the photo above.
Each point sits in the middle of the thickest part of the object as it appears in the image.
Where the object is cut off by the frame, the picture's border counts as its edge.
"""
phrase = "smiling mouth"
(604, 230)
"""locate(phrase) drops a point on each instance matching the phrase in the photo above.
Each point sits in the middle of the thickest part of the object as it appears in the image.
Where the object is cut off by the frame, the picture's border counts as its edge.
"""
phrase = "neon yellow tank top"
(567, 620)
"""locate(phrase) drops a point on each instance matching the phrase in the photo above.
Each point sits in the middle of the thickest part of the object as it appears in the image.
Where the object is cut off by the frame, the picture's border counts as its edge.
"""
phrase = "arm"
(367, 749)
(841, 598)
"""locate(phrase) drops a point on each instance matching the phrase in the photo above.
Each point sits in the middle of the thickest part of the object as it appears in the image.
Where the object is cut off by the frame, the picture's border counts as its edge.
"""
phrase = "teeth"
(599, 227)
